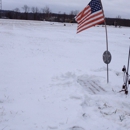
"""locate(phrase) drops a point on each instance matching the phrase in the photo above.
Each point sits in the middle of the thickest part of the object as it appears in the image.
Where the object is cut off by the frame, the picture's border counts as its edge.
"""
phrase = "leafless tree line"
(27, 9)
(34, 10)
(44, 13)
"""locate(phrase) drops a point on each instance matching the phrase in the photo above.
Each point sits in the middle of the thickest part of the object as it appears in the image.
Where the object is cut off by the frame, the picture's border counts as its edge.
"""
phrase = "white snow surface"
(54, 79)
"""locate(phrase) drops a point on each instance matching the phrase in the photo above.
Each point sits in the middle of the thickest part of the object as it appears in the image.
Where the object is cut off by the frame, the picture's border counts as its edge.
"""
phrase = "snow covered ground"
(54, 79)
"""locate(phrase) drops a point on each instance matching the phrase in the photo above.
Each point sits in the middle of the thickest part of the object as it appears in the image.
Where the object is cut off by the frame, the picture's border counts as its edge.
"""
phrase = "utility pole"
(0, 8)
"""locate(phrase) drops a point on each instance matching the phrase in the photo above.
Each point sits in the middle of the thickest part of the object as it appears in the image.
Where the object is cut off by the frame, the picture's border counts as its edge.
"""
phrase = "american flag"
(90, 16)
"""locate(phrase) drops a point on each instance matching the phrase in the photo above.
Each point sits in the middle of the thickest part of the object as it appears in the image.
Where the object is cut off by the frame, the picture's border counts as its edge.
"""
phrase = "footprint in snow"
(77, 128)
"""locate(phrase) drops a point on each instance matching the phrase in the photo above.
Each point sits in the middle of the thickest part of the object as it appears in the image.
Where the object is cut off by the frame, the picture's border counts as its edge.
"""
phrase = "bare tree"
(118, 17)
(35, 11)
(43, 13)
(71, 16)
(43, 10)
(75, 12)
(72, 12)
(47, 11)
(26, 10)
(17, 12)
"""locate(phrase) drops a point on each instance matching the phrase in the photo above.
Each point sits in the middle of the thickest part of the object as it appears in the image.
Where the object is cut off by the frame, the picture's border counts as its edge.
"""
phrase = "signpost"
(106, 54)
(107, 57)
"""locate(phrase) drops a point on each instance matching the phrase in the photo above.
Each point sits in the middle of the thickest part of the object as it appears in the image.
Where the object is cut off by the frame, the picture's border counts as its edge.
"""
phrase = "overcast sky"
(112, 8)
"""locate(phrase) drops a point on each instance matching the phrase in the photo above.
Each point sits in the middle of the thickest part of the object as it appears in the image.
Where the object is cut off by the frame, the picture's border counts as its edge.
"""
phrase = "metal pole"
(127, 72)
(106, 41)
(0, 8)
(128, 60)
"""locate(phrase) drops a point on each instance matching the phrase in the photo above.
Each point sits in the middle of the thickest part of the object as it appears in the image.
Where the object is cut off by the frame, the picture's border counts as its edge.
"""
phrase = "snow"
(54, 79)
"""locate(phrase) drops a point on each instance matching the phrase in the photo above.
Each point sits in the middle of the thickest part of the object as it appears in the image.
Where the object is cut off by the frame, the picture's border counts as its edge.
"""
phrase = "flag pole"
(106, 41)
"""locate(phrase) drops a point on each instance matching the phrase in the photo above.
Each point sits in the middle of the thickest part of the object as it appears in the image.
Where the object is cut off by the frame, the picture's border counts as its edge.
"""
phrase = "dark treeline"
(118, 22)
(38, 16)
(45, 15)
(35, 14)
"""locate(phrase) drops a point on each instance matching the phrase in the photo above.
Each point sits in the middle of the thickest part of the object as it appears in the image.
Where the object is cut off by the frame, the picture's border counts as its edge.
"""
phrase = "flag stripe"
(85, 9)
(89, 26)
(92, 22)
(82, 19)
(91, 16)
(83, 13)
